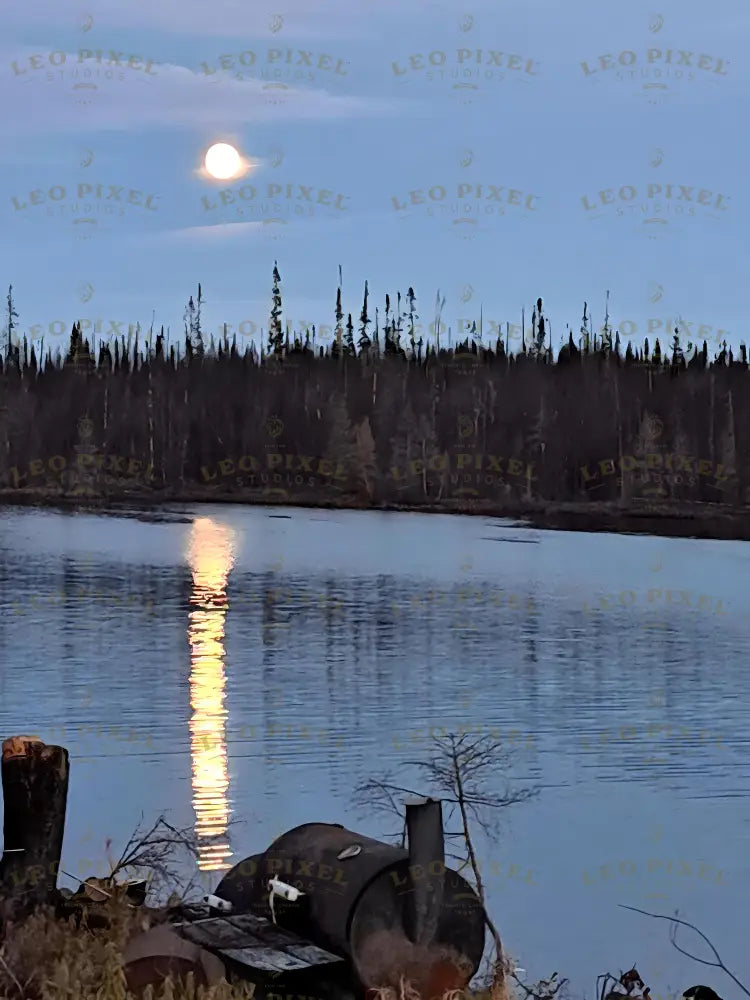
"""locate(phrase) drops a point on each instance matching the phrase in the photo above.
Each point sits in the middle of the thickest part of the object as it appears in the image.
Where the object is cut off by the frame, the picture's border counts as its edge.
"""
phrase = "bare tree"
(457, 771)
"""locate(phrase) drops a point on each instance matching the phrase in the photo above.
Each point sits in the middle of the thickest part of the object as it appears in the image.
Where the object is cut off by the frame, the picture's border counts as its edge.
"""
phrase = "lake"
(243, 668)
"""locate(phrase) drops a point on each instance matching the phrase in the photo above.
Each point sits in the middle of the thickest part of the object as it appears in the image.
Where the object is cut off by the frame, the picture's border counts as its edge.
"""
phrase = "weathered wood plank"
(256, 942)
(311, 954)
(232, 934)
(265, 959)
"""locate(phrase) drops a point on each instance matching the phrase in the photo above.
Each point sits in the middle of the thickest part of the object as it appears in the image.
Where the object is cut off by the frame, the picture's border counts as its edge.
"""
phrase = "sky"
(486, 154)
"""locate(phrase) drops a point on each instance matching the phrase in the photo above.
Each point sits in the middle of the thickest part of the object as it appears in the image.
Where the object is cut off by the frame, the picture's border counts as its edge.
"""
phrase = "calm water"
(253, 665)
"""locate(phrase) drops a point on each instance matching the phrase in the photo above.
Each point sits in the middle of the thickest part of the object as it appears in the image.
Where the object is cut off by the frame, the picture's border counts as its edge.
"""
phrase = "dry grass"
(498, 988)
(43, 958)
(47, 959)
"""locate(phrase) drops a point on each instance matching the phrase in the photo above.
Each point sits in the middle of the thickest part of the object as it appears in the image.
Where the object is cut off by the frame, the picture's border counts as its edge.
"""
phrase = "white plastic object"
(217, 903)
(278, 888)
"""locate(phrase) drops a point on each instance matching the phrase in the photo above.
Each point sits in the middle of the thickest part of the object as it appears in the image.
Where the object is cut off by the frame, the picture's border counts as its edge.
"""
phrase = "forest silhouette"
(378, 417)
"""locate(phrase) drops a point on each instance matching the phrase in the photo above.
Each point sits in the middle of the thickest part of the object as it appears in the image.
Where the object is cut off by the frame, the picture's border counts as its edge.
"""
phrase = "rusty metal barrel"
(391, 912)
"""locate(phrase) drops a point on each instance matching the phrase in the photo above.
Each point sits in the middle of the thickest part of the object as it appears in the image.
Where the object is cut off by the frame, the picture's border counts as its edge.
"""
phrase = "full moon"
(222, 161)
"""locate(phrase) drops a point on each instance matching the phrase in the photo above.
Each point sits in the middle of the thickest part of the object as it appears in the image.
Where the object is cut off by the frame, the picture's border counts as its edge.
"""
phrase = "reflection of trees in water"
(651, 689)
(366, 625)
(387, 647)
(87, 601)
(293, 617)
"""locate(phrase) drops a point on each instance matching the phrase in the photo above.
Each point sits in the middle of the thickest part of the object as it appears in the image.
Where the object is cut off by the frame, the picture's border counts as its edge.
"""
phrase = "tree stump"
(35, 792)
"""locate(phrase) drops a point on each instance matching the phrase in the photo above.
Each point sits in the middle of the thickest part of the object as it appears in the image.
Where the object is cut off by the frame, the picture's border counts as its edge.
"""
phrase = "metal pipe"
(426, 843)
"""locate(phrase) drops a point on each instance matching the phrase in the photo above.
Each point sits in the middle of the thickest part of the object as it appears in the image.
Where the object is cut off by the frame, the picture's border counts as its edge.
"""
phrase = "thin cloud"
(173, 96)
(221, 232)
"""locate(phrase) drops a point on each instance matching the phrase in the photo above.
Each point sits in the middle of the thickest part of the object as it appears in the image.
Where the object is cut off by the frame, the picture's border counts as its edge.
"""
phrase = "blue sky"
(459, 148)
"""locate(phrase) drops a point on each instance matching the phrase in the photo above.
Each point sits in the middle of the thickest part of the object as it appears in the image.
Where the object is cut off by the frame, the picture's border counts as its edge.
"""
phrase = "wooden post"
(35, 791)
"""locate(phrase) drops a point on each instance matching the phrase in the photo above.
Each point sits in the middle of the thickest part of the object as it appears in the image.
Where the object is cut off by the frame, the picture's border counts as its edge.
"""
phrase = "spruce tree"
(390, 347)
(364, 322)
(338, 345)
(540, 332)
(678, 356)
(192, 321)
(275, 332)
(411, 299)
(12, 316)
(585, 341)
(607, 328)
(197, 329)
(350, 349)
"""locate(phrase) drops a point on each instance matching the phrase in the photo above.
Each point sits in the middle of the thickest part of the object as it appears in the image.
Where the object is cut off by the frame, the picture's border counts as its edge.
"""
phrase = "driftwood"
(35, 790)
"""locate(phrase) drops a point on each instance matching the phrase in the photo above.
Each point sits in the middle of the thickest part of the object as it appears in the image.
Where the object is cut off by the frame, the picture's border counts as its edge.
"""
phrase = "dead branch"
(545, 989)
(157, 852)
(675, 923)
(474, 757)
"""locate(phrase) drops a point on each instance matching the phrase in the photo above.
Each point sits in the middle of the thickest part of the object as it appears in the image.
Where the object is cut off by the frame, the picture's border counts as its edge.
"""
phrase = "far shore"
(720, 522)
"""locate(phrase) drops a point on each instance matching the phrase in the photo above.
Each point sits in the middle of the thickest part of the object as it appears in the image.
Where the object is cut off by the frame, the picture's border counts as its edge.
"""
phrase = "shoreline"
(718, 522)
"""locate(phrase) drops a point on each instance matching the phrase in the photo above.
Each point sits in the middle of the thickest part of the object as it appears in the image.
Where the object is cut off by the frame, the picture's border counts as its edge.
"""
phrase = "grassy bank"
(44, 958)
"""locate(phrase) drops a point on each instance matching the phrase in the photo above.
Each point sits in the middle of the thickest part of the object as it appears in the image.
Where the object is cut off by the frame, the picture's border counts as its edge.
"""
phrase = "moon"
(656, 23)
(222, 161)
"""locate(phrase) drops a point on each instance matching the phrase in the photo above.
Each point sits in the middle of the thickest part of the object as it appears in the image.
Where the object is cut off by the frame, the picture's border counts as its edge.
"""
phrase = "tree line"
(378, 416)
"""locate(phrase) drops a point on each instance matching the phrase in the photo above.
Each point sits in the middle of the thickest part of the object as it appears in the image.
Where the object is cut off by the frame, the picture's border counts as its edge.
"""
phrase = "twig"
(10, 972)
(718, 964)
(541, 990)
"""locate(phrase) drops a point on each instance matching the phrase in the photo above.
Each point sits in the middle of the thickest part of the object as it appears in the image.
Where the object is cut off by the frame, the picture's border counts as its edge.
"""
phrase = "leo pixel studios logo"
(656, 68)
(467, 202)
(279, 68)
(283, 198)
(89, 71)
(469, 68)
(666, 323)
(86, 205)
(658, 205)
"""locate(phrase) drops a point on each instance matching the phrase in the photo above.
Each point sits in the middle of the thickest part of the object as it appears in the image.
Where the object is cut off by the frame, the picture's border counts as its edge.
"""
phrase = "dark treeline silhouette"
(378, 416)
